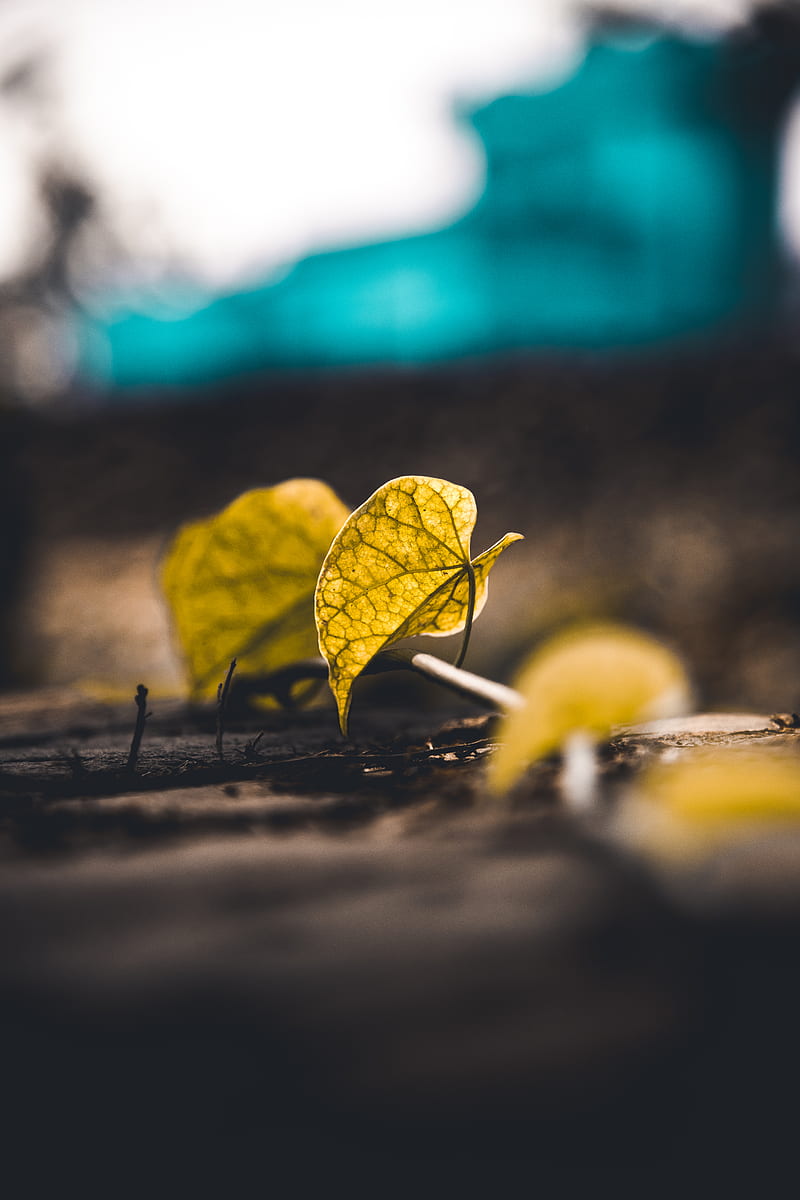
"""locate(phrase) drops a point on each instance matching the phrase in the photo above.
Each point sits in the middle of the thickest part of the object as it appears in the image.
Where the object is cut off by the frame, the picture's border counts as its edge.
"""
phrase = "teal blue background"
(633, 204)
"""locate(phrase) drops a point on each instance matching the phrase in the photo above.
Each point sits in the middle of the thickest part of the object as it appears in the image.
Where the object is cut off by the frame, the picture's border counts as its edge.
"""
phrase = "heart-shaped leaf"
(586, 680)
(241, 583)
(399, 566)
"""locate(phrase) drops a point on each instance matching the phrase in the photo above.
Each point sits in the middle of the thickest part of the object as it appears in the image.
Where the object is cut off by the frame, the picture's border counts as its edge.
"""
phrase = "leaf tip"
(343, 707)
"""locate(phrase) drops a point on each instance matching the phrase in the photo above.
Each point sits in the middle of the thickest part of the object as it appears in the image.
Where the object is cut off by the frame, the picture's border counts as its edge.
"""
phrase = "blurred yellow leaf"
(398, 567)
(586, 680)
(710, 796)
(730, 784)
(241, 583)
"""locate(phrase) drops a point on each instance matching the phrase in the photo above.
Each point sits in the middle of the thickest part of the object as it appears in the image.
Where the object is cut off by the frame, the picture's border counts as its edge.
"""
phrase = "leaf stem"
(474, 687)
(462, 654)
(465, 683)
(579, 772)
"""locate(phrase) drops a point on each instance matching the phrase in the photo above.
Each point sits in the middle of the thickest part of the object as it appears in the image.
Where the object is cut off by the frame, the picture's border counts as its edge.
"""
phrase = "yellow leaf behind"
(398, 567)
(241, 583)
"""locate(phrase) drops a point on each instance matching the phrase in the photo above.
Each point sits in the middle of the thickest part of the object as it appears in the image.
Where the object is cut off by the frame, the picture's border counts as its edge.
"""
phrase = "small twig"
(142, 714)
(250, 751)
(75, 763)
(223, 691)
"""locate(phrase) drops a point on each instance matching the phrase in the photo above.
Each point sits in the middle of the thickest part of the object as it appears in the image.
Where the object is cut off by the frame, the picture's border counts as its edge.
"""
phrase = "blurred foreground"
(314, 961)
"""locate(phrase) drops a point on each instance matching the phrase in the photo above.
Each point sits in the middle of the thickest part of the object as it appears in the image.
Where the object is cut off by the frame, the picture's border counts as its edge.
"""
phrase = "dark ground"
(319, 961)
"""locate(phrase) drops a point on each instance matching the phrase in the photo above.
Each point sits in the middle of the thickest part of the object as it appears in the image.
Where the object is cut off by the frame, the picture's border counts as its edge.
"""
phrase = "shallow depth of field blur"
(544, 249)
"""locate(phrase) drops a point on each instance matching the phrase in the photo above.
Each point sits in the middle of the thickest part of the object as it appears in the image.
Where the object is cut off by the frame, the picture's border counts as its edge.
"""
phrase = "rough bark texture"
(320, 958)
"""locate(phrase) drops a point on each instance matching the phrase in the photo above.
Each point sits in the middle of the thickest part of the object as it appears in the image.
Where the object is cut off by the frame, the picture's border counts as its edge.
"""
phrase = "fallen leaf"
(241, 583)
(398, 567)
(587, 680)
(734, 784)
(710, 796)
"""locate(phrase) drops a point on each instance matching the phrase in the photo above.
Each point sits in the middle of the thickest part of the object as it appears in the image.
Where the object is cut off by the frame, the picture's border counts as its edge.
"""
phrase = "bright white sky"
(226, 138)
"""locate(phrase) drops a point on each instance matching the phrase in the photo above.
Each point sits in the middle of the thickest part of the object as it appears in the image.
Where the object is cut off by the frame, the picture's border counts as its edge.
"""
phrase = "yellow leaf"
(710, 796)
(586, 680)
(731, 784)
(241, 583)
(398, 567)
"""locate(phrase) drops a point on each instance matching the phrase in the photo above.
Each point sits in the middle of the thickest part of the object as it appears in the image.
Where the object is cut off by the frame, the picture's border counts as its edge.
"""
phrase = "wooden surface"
(344, 946)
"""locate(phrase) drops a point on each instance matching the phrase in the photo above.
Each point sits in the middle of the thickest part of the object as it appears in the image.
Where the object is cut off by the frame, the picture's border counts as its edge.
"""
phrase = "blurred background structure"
(634, 202)
(545, 249)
